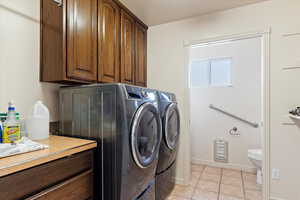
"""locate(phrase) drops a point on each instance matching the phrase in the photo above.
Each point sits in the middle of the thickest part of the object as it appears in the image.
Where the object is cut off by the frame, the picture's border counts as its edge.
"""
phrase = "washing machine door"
(171, 126)
(145, 135)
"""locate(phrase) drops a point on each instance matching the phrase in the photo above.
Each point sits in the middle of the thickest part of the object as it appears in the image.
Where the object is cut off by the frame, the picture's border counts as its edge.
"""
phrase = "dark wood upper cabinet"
(82, 34)
(87, 41)
(52, 54)
(109, 42)
(140, 55)
(127, 48)
(69, 41)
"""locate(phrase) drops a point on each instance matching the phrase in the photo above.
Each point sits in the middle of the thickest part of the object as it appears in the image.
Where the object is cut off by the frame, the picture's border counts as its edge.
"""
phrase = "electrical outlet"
(275, 174)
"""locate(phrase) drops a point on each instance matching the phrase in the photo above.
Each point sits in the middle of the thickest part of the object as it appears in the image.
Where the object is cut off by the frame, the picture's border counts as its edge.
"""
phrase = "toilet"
(256, 157)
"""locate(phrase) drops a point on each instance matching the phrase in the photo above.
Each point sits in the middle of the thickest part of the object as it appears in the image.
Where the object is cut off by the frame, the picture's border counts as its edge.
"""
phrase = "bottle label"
(11, 134)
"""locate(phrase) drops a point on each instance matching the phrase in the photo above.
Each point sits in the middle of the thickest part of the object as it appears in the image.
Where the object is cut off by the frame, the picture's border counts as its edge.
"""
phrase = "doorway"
(229, 103)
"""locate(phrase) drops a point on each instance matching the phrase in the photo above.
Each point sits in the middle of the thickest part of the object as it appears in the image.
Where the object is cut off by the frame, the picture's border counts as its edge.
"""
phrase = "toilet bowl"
(256, 157)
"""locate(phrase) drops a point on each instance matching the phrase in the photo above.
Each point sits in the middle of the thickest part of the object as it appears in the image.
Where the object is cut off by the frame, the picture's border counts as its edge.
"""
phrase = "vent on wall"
(221, 151)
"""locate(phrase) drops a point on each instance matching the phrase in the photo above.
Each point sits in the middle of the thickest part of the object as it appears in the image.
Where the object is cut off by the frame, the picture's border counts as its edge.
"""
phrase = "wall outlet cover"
(275, 174)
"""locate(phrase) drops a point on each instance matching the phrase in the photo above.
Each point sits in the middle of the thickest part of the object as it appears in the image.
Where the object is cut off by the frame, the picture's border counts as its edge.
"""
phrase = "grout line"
(243, 185)
(220, 183)
(194, 189)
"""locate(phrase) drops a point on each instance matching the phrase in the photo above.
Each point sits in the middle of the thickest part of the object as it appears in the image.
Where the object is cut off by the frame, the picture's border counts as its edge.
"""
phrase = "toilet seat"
(255, 154)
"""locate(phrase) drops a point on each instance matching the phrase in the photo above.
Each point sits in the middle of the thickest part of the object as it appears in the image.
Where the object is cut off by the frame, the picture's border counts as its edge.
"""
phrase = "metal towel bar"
(255, 125)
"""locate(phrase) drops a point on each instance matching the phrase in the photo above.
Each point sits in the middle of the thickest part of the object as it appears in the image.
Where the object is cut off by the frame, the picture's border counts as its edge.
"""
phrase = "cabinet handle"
(59, 2)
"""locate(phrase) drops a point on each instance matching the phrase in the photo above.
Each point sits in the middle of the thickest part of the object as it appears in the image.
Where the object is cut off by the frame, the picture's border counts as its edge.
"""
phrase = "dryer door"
(171, 126)
(145, 135)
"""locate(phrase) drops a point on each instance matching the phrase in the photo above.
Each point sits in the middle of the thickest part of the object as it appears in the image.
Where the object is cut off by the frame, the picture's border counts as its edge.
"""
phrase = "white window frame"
(209, 60)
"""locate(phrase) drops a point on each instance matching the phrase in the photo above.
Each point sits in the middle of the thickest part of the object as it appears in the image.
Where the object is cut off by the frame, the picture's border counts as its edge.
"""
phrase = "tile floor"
(211, 183)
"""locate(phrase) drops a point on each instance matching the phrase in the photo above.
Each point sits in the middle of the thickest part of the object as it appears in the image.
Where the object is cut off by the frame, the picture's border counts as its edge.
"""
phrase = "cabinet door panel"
(127, 48)
(141, 55)
(35, 179)
(109, 42)
(82, 39)
(77, 188)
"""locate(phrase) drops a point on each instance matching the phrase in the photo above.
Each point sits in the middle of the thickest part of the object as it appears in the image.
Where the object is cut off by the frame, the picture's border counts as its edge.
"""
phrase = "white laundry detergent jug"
(37, 123)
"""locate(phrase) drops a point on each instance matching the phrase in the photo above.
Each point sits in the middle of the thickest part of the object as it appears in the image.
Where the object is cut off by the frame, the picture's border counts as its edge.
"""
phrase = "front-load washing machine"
(125, 122)
(166, 167)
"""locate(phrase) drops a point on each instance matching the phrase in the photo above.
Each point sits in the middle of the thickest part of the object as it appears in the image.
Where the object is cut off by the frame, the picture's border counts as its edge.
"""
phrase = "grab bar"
(255, 125)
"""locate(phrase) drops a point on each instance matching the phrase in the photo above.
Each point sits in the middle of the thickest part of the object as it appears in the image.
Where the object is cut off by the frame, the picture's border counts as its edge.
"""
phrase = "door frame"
(265, 86)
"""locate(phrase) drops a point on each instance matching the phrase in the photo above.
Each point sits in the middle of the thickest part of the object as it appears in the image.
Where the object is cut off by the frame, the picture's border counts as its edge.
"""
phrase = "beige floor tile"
(232, 181)
(249, 177)
(226, 197)
(194, 181)
(203, 195)
(250, 172)
(232, 173)
(212, 170)
(197, 168)
(196, 174)
(205, 186)
(183, 191)
(210, 177)
(252, 185)
(233, 191)
(177, 198)
(253, 195)
(208, 186)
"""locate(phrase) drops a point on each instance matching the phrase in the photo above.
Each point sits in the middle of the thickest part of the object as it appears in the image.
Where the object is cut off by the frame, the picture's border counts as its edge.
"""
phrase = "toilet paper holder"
(234, 131)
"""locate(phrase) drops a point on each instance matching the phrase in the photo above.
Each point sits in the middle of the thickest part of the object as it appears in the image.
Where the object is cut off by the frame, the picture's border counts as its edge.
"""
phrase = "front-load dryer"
(125, 122)
(166, 167)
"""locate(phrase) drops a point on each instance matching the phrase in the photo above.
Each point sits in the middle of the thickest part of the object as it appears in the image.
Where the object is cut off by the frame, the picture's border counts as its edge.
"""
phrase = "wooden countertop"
(59, 147)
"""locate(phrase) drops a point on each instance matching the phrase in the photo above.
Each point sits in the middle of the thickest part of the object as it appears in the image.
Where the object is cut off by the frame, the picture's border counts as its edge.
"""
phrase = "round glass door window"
(146, 135)
(172, 126)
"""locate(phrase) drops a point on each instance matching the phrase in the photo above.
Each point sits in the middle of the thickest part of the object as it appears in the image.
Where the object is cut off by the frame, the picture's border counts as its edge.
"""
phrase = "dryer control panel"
(167, 97)
(140, 93)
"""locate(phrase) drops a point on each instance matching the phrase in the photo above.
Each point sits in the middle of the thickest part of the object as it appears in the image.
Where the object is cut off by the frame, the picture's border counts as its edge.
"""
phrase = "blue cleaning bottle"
(1, 131)
(2, 119)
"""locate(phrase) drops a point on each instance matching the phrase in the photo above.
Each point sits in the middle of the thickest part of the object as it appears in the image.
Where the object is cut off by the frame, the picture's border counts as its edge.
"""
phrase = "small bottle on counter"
(1, 132)
(3, 117)
(11, 126)
(2, 120)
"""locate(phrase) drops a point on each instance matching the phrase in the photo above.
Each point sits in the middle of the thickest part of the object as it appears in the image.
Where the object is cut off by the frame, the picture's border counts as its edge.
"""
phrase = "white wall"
(166, 72)
(19, 65)
(166, 62)
(243, 99)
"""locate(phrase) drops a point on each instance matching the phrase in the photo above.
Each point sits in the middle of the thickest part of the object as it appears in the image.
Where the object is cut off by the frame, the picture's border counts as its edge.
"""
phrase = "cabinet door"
(77, 188)
(33, 180)
(82, 39)
(109, 47)
(127, 48)
(141, 55)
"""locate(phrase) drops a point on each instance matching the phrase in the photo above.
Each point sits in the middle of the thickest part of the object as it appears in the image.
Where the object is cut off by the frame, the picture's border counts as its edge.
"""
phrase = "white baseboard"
(179, 181)
(244, 168)
(275, 198)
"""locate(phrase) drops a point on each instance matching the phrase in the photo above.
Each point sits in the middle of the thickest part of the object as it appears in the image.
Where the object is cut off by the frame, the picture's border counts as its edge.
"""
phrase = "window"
(220, 72)
(214, 72)
(200, 73)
